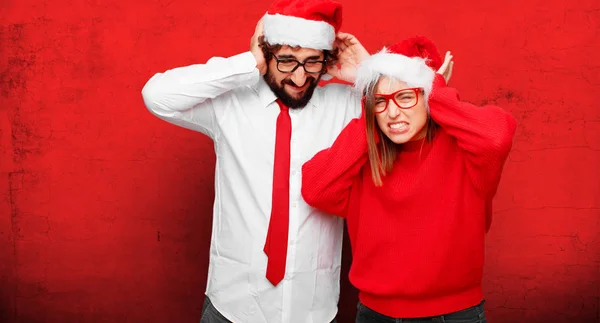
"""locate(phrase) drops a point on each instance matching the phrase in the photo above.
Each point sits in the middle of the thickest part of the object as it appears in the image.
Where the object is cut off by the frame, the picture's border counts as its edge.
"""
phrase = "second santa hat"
(413, 61)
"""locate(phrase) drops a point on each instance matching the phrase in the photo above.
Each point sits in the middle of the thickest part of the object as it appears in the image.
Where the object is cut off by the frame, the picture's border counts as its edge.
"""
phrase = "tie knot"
(282, 106)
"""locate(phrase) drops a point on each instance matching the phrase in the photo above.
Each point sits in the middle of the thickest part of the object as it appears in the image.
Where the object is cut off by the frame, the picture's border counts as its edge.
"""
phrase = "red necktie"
(277, 235)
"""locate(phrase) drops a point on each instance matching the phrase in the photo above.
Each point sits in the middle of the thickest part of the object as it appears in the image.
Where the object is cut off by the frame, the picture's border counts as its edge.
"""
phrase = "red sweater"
(418, 240)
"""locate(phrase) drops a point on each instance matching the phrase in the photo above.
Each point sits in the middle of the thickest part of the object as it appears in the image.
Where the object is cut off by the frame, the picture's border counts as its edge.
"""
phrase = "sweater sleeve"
(328, 177)
(484, 134)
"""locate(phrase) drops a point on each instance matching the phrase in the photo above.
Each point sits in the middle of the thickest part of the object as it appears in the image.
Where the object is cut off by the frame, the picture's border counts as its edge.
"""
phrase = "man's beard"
(285, 98)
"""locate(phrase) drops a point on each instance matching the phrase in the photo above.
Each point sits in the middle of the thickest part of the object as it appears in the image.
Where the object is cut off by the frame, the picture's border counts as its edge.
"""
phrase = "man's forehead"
(298, 52)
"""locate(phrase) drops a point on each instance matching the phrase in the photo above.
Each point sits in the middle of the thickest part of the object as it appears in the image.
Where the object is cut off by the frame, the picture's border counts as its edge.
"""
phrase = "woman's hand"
(446, 68)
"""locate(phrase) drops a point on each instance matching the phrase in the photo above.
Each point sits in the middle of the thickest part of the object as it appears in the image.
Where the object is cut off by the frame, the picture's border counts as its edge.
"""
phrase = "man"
(272, 257)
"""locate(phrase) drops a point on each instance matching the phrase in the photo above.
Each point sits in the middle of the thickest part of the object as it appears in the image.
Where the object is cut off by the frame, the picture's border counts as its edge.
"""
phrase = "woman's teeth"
(399, 126)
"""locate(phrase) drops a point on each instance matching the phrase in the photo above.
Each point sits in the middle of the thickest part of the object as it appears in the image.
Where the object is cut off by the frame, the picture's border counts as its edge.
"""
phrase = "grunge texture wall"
(105, 210)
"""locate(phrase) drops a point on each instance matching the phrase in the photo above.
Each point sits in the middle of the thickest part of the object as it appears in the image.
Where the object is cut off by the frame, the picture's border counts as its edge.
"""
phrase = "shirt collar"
(266, 96)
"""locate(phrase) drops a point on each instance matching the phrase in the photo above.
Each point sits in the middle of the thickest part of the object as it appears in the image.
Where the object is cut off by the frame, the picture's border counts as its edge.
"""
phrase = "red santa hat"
(413, 61)
(419, 46)
(304, 23)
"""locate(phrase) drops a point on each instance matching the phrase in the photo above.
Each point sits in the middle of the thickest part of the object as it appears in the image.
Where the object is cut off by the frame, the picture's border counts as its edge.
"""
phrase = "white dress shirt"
(228, 100)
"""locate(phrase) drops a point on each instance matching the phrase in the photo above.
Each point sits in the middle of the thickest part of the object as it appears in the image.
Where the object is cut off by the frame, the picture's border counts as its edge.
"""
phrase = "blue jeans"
(473, 314)
(211, 315)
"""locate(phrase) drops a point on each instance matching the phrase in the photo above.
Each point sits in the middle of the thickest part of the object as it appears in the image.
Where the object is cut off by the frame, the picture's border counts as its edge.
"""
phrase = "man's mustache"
(309, 79)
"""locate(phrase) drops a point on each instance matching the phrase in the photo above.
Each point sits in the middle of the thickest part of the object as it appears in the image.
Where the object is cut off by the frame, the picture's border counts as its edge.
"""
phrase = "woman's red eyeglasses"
(404, 99)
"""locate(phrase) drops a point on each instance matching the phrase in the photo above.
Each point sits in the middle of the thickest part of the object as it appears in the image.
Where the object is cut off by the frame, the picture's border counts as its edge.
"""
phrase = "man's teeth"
(399, 126)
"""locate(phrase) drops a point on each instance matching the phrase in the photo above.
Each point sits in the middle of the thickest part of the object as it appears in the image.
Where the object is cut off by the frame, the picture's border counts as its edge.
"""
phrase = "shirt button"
(294, 172)
(294, 204)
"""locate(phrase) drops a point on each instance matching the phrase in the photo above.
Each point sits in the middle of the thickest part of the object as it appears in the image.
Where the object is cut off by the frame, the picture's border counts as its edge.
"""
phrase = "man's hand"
(261, 63)
(351, 53)
(446, 68)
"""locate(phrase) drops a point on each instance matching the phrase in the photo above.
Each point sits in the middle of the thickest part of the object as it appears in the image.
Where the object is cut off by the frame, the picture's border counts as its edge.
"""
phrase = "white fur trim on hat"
(412, 71)
(294, 31)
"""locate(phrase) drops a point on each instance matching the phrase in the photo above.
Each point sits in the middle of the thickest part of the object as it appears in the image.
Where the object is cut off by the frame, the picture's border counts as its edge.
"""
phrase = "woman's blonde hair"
(413, 71)
(383, 154)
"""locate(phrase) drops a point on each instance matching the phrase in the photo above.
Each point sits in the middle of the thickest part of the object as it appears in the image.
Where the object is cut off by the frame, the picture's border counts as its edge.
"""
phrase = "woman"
(414, 177)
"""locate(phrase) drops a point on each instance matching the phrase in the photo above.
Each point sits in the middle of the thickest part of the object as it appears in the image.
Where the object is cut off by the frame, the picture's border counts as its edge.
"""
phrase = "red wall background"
(105, 211)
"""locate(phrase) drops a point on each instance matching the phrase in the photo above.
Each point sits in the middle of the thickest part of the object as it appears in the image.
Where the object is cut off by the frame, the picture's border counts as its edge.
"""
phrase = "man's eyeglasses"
(290, 65)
